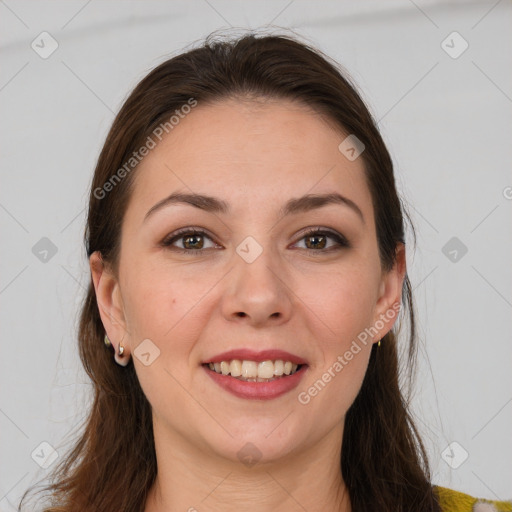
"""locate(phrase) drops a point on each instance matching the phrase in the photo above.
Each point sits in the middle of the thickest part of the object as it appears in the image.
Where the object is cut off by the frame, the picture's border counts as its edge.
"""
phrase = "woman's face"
(255, 281)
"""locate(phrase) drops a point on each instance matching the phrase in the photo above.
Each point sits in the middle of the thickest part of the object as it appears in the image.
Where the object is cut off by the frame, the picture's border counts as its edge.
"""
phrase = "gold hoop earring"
(378, 343)
(121, 350)
(107, 341)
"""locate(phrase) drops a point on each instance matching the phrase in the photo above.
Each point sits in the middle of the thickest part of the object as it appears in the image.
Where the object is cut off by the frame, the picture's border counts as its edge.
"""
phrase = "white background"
(448, 126)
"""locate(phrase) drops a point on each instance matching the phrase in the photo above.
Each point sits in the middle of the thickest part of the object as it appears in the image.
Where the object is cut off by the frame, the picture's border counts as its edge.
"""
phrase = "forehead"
(250, 153)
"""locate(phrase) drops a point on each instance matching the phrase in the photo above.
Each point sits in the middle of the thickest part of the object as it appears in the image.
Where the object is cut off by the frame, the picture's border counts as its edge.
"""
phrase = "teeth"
(266, 370)
(235, 368)
(249, 369)
(253, 371)
(224, 367)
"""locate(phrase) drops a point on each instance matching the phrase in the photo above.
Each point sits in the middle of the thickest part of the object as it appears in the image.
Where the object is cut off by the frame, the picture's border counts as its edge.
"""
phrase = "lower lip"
(257, 390)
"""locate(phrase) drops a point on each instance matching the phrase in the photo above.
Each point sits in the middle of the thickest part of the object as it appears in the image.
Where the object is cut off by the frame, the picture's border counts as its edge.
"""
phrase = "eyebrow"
(293, 206)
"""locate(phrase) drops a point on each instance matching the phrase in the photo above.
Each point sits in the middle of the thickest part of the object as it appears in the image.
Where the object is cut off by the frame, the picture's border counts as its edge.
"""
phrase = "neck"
(190, 480)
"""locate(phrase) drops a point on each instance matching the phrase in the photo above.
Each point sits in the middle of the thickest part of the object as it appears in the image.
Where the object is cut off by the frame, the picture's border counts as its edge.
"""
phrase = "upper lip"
(258, 356)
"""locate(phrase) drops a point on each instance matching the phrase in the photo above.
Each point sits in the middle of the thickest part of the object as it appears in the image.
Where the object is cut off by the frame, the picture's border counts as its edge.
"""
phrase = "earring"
(120, 358)
(378, 344)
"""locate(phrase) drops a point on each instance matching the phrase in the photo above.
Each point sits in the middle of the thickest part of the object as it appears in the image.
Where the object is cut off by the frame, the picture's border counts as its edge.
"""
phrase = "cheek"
(166, 306)
(349, 372)
(150, 304)
(344, 302)
(155, 297)
(330, 391)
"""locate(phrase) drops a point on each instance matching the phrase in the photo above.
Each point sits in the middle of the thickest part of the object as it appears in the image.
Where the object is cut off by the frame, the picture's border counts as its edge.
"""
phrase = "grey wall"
(446, 118)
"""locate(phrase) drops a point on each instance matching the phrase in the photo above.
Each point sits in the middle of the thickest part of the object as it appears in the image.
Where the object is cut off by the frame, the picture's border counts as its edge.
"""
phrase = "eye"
(192, 240)
(316, 240)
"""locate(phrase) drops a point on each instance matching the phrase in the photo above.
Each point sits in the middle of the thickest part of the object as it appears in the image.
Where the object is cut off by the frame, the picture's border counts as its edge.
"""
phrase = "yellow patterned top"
(454, 501)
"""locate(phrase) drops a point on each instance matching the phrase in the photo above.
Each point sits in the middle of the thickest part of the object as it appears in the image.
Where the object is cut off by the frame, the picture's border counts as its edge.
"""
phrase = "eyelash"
(181, 233)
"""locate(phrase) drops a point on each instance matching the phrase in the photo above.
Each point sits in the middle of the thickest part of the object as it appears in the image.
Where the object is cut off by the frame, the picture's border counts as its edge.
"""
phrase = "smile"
(246, 383)
(253, 371)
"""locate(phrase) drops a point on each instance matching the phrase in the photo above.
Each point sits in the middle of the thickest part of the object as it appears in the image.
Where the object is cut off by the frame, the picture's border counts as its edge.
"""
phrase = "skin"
(310, 302)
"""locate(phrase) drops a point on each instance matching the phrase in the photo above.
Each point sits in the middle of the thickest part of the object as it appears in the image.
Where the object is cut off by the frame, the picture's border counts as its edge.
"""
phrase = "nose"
(257, 292)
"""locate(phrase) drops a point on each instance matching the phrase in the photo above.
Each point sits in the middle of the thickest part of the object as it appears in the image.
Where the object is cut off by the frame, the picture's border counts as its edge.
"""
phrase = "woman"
(247, 255)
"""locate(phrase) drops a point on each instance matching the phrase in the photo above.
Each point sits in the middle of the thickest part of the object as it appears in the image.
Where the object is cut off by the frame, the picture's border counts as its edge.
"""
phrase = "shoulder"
(454, 501)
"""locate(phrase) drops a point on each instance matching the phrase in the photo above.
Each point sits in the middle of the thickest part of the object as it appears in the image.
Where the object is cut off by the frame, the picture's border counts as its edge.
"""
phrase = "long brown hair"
(112, 466)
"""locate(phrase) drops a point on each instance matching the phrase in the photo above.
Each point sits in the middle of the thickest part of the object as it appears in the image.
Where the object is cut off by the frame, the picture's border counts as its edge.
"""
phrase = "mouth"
(254, 371)
(260, 376)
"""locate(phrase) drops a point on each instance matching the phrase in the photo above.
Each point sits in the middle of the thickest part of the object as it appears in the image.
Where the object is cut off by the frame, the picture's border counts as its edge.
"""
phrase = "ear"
(110, 304)
(390, 295)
